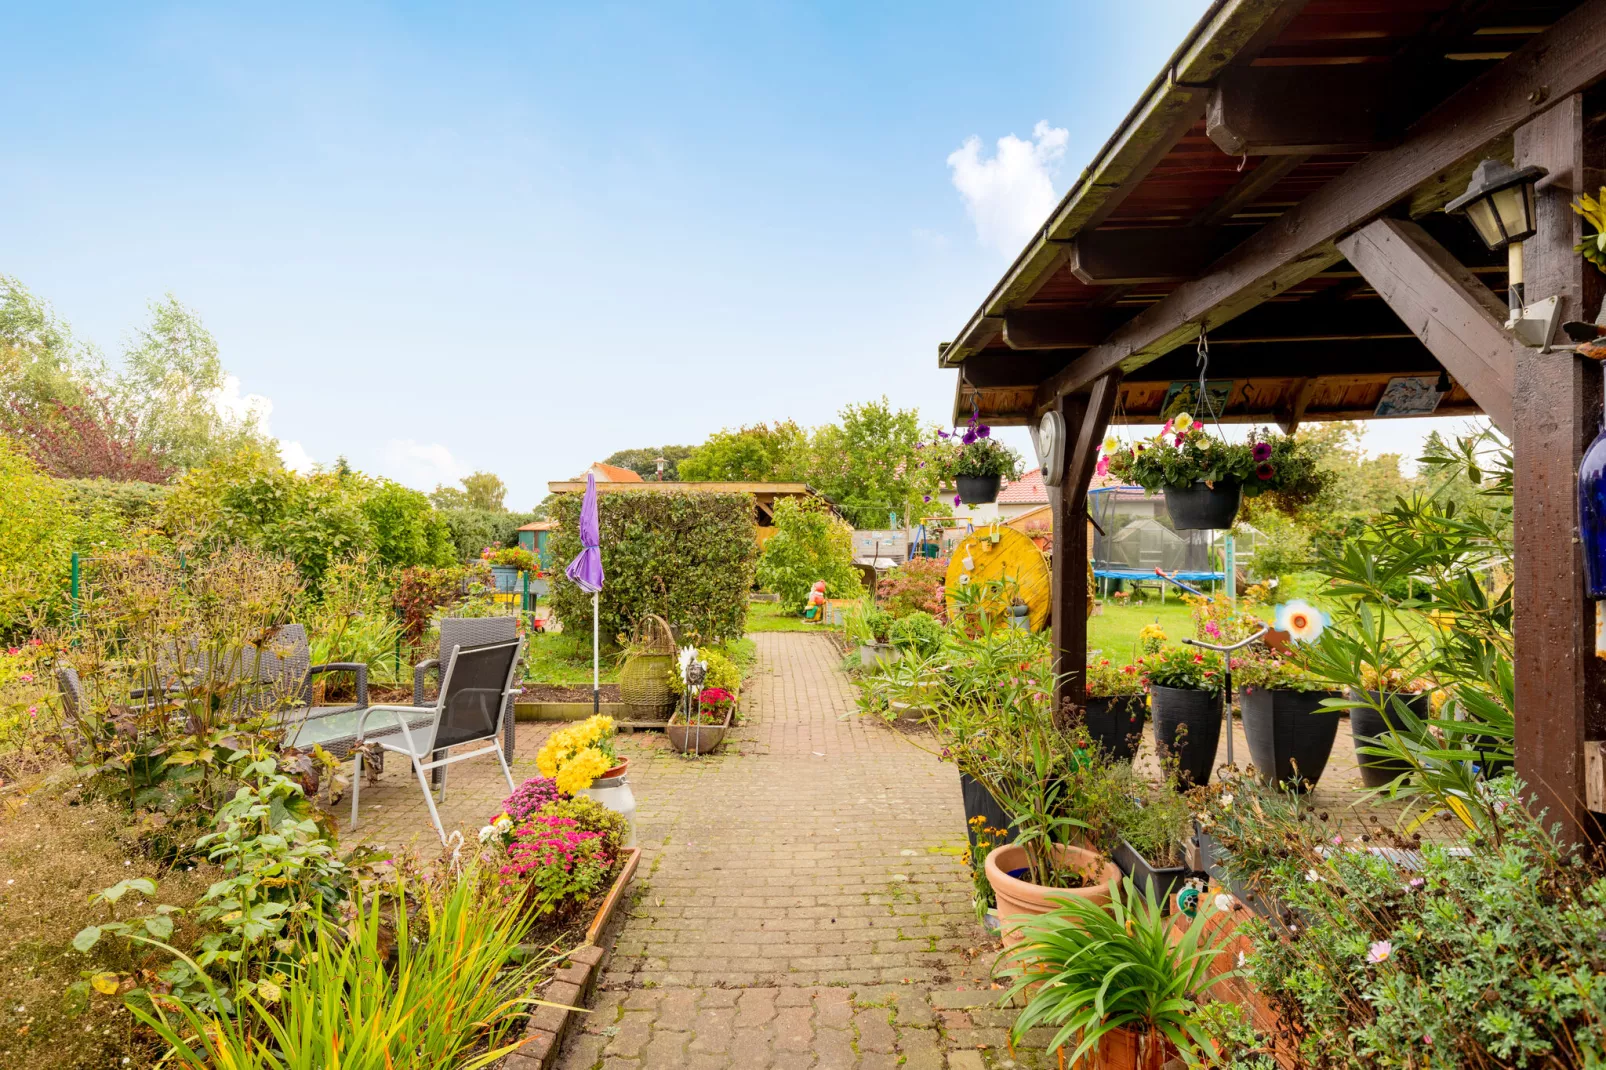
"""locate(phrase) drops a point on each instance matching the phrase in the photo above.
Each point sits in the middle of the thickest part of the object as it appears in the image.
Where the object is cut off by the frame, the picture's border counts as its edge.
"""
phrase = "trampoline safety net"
(1134, 536)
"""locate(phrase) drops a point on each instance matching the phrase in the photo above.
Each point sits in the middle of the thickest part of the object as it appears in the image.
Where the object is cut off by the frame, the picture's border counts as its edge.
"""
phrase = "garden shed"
(1269, 223)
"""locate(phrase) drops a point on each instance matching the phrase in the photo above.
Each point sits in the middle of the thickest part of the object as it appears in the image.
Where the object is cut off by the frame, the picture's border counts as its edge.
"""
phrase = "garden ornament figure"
(815, 610)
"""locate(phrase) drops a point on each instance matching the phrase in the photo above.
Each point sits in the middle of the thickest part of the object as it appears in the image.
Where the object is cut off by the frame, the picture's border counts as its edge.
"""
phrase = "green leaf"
(86, 938)
(159, 926)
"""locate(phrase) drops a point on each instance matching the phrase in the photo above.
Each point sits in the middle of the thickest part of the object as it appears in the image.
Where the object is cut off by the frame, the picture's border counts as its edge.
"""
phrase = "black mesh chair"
(475, 697)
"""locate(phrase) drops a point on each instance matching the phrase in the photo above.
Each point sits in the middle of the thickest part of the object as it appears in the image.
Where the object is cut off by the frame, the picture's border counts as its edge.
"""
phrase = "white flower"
(1311, 876)
(502, 823)
(488, 833)
(1241, 960)
(1224, 902)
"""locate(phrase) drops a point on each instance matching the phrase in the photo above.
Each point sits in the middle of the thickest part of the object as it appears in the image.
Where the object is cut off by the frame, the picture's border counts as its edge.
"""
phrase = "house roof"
(612, 473)
(1189, 195)
(1027, 490)
(539, 525)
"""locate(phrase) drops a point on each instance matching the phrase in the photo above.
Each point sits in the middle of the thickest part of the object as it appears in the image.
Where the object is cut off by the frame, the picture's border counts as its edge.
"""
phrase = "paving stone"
(792, 1029)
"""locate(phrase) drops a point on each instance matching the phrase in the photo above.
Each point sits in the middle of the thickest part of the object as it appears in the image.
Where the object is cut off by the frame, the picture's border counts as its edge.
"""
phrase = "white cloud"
(1009, 196)
(422, 465)
(256, 409)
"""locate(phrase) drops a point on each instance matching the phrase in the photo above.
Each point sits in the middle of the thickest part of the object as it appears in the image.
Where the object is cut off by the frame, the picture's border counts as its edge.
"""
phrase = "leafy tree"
(472, 530)
(756, 453)
(482, 490)
(170, 386)
(810, 544)
(644, 461)
(40, 363)
(874, 462)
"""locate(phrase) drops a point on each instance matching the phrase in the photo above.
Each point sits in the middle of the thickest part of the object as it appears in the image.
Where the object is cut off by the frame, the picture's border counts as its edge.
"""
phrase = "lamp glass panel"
(1486, 222)
(1516, 215)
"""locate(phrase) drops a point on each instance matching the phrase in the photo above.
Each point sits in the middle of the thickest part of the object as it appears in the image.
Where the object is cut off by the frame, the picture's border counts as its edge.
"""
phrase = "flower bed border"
(574, 983)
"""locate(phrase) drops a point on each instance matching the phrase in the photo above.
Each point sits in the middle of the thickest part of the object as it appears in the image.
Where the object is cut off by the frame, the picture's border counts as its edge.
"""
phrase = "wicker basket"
(644, 678)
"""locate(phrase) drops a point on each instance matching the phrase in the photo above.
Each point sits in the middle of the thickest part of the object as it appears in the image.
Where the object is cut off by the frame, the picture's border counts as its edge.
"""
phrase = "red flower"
(1264, 470)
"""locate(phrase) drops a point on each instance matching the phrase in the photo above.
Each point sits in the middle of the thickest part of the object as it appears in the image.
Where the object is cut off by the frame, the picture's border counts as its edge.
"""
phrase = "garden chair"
(466, 632)
(475, 698)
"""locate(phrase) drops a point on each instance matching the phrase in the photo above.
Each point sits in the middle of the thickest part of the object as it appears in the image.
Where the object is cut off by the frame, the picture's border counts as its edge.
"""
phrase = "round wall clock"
(1048, 439)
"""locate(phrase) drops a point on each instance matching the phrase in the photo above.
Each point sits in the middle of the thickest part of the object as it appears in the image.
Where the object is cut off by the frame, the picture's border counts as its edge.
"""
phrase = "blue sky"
(517, 237)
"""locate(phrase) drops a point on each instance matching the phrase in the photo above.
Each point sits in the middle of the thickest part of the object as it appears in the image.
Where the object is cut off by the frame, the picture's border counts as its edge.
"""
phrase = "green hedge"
(686, 557)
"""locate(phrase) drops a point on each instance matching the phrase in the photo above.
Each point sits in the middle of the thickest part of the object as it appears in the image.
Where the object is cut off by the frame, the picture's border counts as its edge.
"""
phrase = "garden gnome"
(816, 606)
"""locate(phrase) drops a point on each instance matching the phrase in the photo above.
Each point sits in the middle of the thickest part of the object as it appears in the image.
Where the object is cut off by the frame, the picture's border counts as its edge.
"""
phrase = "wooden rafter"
(1455, 315)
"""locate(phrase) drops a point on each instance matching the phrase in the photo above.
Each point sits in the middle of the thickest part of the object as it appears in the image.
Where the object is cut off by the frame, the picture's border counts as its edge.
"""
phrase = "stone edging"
(574, 983)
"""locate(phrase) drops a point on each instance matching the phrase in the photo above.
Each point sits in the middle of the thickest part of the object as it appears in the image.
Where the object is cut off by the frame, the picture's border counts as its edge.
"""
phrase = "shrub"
(686, 557)
(36, 533)
(557, 863)
(472, 530)
(914, 585)
(919, 632)
(810, 544)
(406, 529)
(592, 816)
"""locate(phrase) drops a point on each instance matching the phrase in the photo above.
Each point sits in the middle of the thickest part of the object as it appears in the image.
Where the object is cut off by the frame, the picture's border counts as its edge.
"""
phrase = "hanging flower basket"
(1204, 477)
(1203, 506)
(979, 490)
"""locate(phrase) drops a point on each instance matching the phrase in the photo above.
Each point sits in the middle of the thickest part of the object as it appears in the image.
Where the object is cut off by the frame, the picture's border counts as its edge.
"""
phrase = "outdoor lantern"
(1500, 203)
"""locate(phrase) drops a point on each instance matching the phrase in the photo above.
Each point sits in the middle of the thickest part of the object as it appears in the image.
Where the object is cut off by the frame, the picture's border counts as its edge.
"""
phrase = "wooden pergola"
(1280, 188)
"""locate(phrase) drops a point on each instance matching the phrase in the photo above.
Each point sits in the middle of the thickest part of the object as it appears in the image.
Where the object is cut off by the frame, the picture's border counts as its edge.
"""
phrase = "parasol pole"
(596, 691)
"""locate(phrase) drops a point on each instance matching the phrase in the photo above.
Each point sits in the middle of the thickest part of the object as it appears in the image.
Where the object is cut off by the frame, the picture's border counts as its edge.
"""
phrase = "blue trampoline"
(1133, 536)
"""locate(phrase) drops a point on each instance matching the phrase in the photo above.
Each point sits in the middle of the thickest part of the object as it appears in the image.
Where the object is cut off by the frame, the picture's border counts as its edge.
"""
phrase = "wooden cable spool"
(1014, 558)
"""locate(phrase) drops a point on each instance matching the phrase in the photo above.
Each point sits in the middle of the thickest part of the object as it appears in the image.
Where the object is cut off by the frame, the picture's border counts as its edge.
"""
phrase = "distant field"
(1115, 630)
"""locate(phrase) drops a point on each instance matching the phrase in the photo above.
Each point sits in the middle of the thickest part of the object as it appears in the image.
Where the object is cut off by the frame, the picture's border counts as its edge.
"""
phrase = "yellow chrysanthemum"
(580, 771)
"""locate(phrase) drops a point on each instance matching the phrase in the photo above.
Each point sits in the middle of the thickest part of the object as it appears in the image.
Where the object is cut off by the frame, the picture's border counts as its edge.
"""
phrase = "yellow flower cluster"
(576, 755)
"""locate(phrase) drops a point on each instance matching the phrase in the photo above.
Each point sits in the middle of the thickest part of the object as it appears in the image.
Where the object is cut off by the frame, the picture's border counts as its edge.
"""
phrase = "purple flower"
(983, 431)
(927, 498)
(957, 499)
(944, 434)
(970, 436)
(1261, 452)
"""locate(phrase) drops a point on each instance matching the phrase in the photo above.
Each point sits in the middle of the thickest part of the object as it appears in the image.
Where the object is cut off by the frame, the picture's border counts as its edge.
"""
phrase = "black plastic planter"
(1204, 506)
(1187, 727)
(1366, 725)
(1116, 724)
(1290, 733)
(979, 802)
(1164, 880)
(978, 490)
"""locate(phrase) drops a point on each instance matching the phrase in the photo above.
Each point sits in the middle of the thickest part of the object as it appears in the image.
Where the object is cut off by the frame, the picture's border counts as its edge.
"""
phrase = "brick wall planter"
(574, 984)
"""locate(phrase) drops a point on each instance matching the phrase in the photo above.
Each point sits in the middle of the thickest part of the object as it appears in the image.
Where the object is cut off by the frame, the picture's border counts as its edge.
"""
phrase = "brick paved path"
(802, 902)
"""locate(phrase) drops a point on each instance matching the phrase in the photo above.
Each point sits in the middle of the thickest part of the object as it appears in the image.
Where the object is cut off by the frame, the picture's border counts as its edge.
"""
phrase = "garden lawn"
(1114, 632)
(772, 617)
(565, 658)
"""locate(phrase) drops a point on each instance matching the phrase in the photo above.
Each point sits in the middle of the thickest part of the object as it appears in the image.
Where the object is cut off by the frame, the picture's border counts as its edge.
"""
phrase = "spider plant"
(1092, 969)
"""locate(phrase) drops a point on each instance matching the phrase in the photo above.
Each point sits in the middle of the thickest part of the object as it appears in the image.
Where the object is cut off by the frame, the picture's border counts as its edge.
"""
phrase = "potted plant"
(1289, 725)
(705, 715)
(981, 463)
(1028, 775)
(1204, 478)
(506, 564)
(874, 626)
(1185, 699)
(1115, 707)
(1374, 716)
(1151, 848)
(1115, 980)
(578, 755)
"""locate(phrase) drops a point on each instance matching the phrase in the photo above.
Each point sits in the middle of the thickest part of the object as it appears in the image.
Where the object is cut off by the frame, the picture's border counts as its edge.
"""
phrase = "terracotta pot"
(697, 739)
(1123, 1049)
(619, 770)
(1021, 899)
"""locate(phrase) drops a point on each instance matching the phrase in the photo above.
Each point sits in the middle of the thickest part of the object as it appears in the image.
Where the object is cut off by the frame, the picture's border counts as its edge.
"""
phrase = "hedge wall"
(687, 557)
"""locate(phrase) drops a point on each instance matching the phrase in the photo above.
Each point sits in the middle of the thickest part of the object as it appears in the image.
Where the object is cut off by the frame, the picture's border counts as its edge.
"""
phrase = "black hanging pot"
(1290, 733)
(1116, 724)
(979, 490)
(1204, 506)
(1366, 725)
(1187, 728)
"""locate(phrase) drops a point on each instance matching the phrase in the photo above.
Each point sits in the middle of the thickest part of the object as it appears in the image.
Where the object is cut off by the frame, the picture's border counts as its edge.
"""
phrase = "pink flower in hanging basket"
(1261, 452)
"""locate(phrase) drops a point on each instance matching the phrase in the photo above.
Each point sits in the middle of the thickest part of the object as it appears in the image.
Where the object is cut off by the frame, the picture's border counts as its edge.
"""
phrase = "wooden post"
(1560, 685)
(1087, 416)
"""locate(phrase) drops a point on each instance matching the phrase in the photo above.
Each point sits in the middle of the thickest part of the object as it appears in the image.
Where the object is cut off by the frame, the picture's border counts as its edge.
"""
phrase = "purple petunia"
(957, 499)
(943, 434)
(927, 498)
(970, 436)
(983, 431)
(1262, 452)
